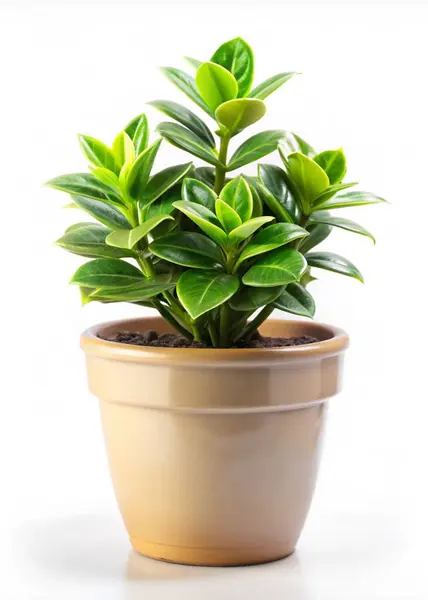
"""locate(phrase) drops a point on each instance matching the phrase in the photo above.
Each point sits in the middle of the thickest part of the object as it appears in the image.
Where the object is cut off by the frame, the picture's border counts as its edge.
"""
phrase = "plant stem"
(213, 333)
(224, 324)
(256, 322)
(163, 311)
(146, 265)
(220, 171)
(196, 333)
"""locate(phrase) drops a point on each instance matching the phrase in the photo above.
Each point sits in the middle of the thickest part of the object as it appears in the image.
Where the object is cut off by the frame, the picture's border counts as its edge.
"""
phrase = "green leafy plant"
(213, 254)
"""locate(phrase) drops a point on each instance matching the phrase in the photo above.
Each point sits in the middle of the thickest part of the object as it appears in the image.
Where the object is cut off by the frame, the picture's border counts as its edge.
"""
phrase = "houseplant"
(213, 444)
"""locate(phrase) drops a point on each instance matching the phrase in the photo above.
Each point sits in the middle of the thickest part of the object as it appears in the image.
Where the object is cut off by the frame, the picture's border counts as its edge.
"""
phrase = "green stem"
(163, 311)
(196, 333)
(213, 333)
(220, 170)
(145, 264)
(224, 325)
(256, 322)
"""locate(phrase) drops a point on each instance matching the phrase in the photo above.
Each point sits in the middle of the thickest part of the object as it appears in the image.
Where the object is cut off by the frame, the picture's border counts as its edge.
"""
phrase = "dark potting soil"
(174, 340)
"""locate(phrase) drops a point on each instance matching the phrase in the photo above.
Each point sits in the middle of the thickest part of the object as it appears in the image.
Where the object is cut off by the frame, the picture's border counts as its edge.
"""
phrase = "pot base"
(209, 557)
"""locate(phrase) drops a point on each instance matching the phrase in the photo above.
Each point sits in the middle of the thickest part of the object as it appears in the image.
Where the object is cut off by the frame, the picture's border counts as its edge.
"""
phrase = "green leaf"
(251, 298)
(236, 115)
(270, 238)
(267, 87)
(139, 173)
(248, 228)
(297, 300)
(106, 272)
(257, 202)
(274, 205)
(308, 176)
(334, 164)
(280, 267)
(294, 143)
(255, 147)
(128, 238)
(204, 219)
(134, 293)
(237, 57)
(107, 178)
(215, 84)
(317, 234)
(334, 262)
(132, 126)
(331, 191)
(98, 153)
(196, 191)
(275, 180)
(227, 216)
(200, 292)
(140, 137)
(163, 181)
(327, 219)
(186, 83)
(189, 250)
(123, 149)
(349, 199)
(84, 184)
(193, 62)
(104, 213)
(88, 239)
(187, 118)
(237, 194)
(162, 206)
(206, 175)
(183, 138)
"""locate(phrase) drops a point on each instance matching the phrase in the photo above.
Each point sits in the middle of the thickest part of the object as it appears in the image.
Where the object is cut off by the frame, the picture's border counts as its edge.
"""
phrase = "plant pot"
(214, 453)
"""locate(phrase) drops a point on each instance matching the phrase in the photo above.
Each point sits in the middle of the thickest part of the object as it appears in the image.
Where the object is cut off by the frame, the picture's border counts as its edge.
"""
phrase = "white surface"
(90, 68)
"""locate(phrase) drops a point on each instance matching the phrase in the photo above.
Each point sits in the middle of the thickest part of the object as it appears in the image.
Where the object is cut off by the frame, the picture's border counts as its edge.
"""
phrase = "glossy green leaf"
(88, 239)
(317, 234)
(187, 118)
(200, 292)
(183, 138)
(331, 191)
(139, 173)
(294, 143)
(132, 126)
(247, 229)
(274, 205)
(162, 206)
(237, 57)
(236, 115)
(106, 272)
(215, 84)
(106, 177)
(280, 267)
(189, 250)
(128, 238)
(123, 149)
(80, 225)
(270, 238)
(257, 201)
(204, 219)
(349, 199)
(163, 181)
(254, 148)
(237, 194)
(206, 175)
(251, 298)
(267, 87)
(102, 212)
(141, 134)
(327, 219)
(297, 300)
(98, 153)
(193, 62)
(186, 83)
(334, 262)
(84, 184)
(308, 176)
(334, 164)
(196, 191)
(144, 290)
(274, 179)
(227, 216)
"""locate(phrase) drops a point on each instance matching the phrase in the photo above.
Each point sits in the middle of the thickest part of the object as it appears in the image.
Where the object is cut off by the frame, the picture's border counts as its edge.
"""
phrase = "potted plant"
(213, 415)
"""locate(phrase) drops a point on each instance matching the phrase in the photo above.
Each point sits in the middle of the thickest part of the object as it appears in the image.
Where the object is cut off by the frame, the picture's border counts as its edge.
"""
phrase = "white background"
(90, 68)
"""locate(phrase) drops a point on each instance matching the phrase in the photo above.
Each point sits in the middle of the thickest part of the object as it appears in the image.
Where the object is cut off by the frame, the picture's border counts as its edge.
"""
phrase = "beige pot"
(214, 453)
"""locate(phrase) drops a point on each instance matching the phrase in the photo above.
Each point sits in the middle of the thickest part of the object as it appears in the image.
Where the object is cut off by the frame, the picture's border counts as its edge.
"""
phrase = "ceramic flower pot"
(214, 453)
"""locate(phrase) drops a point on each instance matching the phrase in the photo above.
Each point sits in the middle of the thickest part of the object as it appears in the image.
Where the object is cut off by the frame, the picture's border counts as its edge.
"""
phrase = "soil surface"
(174, 340)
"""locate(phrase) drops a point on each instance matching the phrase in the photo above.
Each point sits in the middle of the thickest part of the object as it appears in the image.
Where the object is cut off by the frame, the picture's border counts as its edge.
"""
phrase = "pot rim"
(335, 341)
